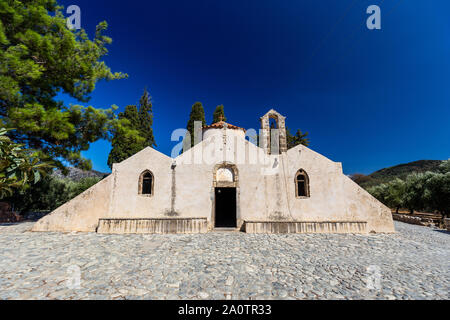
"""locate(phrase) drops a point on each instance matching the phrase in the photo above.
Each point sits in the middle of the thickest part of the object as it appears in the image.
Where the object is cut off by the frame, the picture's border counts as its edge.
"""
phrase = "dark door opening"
(225, 208)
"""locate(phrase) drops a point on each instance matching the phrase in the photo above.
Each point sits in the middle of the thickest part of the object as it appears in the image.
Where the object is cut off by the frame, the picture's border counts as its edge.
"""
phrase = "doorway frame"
(215, 208)
(223, 184)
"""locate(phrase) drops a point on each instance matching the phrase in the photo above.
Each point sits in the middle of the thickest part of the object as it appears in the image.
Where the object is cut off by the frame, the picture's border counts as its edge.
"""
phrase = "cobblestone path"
(414, 263)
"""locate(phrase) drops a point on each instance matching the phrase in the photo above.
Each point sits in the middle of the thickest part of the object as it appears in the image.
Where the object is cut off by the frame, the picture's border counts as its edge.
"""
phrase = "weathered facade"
(225, 182)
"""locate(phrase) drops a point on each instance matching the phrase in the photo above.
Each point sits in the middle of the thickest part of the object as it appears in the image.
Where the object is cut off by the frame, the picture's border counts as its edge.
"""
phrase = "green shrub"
(418, 191)
(50, 193)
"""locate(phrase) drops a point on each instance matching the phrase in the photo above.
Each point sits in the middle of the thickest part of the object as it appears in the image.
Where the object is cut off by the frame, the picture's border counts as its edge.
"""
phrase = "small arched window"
(146, 183)
(301, 184)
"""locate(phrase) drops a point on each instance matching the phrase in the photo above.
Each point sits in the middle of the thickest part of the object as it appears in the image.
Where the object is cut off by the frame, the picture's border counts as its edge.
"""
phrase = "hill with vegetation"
(53, 190)
(76, 174)
(400, 171)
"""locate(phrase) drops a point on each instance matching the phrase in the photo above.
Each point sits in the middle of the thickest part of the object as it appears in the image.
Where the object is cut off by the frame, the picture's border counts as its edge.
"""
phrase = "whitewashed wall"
(266, 188)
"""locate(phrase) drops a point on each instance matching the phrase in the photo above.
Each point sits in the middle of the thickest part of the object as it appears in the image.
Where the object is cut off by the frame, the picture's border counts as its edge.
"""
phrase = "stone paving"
(412, 264)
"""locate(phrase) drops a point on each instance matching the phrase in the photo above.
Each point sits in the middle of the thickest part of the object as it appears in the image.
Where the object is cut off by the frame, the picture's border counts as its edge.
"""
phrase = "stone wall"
(421, 220)
(447, 223)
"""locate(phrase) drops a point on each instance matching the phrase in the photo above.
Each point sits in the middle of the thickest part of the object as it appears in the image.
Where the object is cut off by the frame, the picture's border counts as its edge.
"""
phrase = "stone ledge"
(305, 227)
(148, 226)
(447, 223)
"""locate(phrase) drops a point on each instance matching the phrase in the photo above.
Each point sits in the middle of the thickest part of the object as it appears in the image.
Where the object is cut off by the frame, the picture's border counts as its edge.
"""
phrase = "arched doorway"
(225, 196)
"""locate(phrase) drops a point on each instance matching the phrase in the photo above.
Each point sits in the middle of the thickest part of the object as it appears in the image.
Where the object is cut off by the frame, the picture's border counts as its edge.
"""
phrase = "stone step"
(305, 227)
(143, 226)
(226, 229)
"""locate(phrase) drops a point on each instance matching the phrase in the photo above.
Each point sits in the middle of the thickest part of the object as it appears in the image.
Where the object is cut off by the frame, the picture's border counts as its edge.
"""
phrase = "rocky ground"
(412, 264)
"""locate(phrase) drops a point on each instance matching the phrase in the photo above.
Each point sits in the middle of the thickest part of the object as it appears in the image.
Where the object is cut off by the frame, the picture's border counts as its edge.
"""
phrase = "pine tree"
(39, 58)
(146, 119)
(219, 114)
(197, 114)
(299, 138)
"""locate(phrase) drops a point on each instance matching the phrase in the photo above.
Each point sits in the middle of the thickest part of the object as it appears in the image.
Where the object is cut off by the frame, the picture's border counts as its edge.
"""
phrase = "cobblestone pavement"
(412, 264)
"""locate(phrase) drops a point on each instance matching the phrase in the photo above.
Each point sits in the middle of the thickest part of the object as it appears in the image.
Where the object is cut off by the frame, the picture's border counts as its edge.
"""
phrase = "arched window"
(301, 184)
(146, 183)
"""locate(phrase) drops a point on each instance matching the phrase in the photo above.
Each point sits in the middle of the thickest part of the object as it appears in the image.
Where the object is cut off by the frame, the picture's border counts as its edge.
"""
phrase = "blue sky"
(369, 98)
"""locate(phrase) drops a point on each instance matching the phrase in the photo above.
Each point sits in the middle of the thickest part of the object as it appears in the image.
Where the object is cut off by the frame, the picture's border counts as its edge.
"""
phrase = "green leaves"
(197, 114)
(299, 138)
(41, 58)
(419, 191)
(132, 131)
(146, 119)
(18, 167)
(219, 114)
(50, 193)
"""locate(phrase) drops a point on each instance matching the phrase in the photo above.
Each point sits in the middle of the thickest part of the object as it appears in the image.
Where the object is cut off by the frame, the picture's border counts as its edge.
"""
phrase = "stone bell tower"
(273, 141)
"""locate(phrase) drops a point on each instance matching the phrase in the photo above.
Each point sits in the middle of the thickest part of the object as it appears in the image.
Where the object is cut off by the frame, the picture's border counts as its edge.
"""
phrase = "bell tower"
(273, 140)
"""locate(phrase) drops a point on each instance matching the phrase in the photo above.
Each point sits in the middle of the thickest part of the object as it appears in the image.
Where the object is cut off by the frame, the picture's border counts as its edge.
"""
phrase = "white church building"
(225, 182)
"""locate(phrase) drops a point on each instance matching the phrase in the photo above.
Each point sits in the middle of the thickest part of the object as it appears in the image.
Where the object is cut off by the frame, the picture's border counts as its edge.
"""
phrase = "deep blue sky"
(369, 99)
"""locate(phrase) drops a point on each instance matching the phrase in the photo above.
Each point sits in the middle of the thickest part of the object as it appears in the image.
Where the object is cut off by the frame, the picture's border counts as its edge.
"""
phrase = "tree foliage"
(19, 167)
(134, 131)
(197, 114)
(395, 196)
(219, 114)
(49, 193)
(415, 186)
(39, 59)
(418, 191)
(146, 119)
(298, 138)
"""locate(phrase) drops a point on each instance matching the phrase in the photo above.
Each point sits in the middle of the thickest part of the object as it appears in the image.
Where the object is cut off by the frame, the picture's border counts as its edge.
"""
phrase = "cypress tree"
(131, 113)
(134, 131)
(125, 142)
(146, 119)
(219, 114)
(197, 114)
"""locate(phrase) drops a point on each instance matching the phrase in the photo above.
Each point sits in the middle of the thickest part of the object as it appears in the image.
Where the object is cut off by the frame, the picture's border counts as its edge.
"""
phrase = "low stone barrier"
(162, 226)
(419, 220)
(305, 227)
(447, 223)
